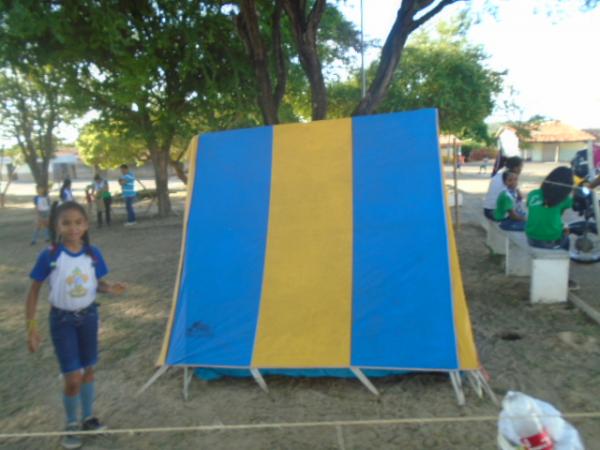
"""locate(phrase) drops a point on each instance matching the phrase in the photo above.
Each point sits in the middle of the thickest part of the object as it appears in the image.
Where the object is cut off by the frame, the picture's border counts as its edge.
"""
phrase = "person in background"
(89, 198)
(496, 186)
(484, 164)
(509, 211)
(103, 199)
(66, 194)
(127, 182)
(545, 228)
(42, 209)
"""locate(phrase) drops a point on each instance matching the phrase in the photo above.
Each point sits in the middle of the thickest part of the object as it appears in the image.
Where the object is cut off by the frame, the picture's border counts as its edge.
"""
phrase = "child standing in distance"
(66, 194)
(545, 228)
(103, 199)
(74, 269)
(42, 209)
(508, 211)
(127, 182)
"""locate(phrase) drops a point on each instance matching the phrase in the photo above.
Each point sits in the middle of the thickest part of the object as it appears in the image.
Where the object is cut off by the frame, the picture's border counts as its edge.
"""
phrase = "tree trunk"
(393, 48)
(248, 28)
(305, 27)
(179, 170)
(160, 161)
(390, 58)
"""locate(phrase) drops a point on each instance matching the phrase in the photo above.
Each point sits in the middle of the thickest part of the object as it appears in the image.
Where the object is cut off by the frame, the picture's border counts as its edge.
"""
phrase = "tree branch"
(425, 17)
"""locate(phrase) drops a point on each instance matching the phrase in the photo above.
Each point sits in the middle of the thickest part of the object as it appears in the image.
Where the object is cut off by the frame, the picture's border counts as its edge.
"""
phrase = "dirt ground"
(555, 356)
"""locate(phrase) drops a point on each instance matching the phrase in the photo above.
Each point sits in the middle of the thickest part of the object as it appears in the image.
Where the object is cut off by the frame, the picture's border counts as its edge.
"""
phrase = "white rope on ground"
(265, 426)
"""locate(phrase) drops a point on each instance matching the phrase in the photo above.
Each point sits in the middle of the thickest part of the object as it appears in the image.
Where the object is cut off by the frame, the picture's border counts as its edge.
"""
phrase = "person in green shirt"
(545, 228)
(507, 211)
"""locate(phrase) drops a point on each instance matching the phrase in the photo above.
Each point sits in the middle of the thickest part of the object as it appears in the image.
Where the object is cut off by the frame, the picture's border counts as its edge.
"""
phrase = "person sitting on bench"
(509, 211)
(513, 164)
(545, 228)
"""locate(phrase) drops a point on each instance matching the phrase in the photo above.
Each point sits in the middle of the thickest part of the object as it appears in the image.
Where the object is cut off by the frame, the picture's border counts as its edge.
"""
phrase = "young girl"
(42, 210)
(66, 194)
(545, 227)
(509, 211)
(74, 269)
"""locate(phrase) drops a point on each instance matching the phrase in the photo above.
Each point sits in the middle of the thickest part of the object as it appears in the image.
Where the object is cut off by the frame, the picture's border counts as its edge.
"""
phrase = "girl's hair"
(557, 186)
(55, 212)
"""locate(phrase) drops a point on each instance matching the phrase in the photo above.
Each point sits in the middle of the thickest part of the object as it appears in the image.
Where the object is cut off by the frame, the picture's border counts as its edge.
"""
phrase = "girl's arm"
(33, 336)
(111, 288)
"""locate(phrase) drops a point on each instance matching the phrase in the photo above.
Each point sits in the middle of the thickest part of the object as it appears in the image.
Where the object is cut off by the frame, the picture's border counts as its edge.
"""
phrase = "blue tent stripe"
(402, 308)
(219, 299)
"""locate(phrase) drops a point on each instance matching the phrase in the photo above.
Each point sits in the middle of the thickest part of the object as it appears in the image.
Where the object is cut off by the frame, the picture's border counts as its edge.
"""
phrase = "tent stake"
(364, 380)
(259, 379)
(161, 370)
(457, 385)
(475, 383)
(187, 378)
(486, 387)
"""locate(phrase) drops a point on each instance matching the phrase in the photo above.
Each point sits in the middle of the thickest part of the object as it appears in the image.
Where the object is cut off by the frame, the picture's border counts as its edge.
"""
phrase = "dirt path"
(555, 357)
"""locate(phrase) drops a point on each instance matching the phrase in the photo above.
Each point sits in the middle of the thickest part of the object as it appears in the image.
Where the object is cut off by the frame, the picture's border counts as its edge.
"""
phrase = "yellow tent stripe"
(306, 305)
(467, 353)
(192, 151)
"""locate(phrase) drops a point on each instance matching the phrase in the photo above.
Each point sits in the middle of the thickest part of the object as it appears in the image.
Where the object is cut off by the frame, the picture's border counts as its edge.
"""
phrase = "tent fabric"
(325, 245)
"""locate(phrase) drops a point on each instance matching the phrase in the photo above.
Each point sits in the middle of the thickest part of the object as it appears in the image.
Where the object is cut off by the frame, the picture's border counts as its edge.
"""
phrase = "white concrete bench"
(548, 269)
(495, 236)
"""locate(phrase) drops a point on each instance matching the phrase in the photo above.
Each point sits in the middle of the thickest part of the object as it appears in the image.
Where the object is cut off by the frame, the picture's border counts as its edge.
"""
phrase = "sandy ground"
(555, 356)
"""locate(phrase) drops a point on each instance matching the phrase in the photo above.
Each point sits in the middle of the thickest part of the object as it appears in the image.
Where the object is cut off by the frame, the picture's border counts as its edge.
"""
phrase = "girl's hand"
(33, 340)
(117, 288)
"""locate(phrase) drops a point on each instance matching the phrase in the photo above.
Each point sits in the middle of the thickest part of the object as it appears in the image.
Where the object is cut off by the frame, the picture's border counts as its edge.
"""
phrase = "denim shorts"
(75, 337)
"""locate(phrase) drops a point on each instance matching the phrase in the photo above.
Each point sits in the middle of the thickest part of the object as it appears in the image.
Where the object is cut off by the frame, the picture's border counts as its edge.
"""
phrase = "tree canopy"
(442, 71)
(32, 105)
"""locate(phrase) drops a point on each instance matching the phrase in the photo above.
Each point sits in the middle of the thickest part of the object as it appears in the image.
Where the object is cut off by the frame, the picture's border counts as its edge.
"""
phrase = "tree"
(32, 105)
(411, 15)
(449, 74)
(148, 67)
(105, 148)
(283, 46)
(269, 97)
(442, 71)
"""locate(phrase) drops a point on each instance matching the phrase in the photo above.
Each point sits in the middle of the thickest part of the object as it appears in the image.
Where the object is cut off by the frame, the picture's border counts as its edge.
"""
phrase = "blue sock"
(88, 395)
(71, 407)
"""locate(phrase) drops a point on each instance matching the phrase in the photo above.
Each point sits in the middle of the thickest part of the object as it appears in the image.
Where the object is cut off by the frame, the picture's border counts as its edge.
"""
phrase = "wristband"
(31, 325)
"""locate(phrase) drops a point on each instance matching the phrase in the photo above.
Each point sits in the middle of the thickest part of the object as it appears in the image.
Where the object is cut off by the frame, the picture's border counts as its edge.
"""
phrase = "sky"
(552, 60)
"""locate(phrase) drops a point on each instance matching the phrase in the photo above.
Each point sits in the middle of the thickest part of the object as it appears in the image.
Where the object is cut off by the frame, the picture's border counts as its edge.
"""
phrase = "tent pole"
(457, 385)
(364, 380)
(187, 378)
(259, 379)
(161, 370)
(592, 174)
(455, 176)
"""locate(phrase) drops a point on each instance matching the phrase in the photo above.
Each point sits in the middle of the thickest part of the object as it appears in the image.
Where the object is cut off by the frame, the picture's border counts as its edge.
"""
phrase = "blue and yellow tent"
(325, 245)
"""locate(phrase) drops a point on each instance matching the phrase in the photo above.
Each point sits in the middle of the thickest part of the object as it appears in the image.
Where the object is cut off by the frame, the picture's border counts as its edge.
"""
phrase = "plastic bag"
(524, 417)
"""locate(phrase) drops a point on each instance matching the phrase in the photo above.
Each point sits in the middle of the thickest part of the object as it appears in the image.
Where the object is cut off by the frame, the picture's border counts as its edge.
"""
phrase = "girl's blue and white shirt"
(73, 277)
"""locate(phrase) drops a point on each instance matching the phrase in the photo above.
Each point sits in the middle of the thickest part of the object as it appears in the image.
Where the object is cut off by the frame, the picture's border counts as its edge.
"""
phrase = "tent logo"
(198, 330)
